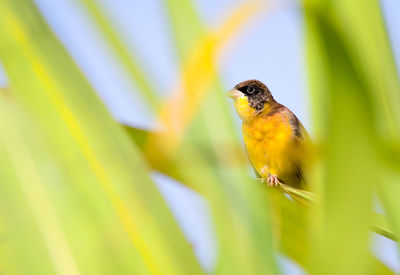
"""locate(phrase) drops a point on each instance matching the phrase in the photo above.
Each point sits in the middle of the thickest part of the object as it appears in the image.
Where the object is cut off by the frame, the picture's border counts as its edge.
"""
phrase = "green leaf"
(381, 226)
(239, 207)
(345, 106)
(128, 58)
(104, 197)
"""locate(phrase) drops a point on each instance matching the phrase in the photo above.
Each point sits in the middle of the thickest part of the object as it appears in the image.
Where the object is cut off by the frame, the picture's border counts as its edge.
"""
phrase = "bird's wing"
(303, 150)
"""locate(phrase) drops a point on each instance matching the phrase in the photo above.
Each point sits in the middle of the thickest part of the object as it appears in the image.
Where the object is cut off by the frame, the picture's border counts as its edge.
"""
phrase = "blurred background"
(270, 45)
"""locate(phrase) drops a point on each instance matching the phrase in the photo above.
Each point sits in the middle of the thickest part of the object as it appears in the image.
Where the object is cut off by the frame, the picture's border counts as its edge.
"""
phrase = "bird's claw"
(273, 180)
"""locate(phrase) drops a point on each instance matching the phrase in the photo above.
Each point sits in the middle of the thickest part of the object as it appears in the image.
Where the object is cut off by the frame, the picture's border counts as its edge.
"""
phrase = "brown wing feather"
(303, 145)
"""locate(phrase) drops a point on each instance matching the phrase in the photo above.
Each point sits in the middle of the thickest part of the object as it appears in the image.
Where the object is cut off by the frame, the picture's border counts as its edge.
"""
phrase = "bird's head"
(251, 98)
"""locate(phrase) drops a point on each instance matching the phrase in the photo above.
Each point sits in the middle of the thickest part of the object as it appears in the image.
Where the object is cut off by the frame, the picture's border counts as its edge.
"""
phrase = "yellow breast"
(269, 143)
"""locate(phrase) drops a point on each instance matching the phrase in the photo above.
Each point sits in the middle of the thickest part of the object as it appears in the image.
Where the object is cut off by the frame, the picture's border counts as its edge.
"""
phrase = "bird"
(277, 144)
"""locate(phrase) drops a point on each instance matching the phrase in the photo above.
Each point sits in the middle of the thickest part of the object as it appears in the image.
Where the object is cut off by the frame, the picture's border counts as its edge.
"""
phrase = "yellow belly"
(270, 146)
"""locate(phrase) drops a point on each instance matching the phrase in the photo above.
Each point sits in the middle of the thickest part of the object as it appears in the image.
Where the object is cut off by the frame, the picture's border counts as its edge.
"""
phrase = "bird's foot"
(273, 180)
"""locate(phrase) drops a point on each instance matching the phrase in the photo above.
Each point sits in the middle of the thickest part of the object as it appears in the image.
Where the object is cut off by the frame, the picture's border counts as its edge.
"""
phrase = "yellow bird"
(277, 143)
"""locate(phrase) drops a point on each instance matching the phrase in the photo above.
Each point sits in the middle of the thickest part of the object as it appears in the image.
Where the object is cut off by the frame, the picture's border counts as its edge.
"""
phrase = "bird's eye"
(250, 90)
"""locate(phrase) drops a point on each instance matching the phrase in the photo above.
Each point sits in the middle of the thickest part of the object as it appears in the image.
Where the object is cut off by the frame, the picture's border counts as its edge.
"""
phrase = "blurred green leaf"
(185, 25)
(76, 196)
(381, 226)
(296, 235)
(127, 57)
(389, 192)
(104, 197)
(23, 160)
(345, 107)
(239, 207)
(139, 136)
(373, 58)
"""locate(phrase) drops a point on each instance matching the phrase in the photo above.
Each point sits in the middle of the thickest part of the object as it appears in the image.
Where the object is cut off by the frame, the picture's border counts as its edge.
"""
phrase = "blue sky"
(270, 50)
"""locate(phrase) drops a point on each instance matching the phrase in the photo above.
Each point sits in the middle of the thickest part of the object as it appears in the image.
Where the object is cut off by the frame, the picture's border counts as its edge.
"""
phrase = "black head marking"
(257, 93)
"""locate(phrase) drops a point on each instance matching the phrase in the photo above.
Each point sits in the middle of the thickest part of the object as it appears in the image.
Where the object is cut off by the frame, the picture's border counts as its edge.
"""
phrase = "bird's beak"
(234, 93)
